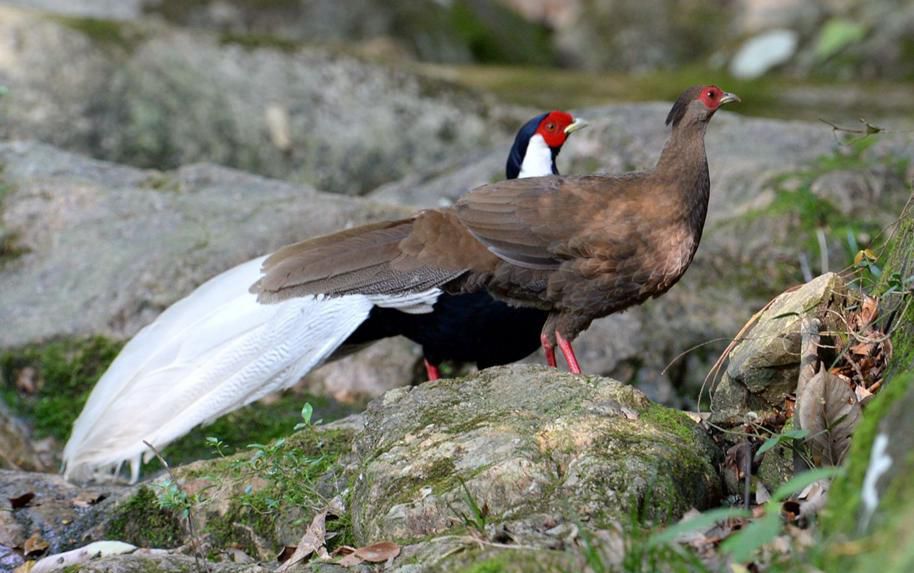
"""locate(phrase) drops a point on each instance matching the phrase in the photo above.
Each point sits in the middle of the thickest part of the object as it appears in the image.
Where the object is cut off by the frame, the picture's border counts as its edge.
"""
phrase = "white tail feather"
(208, 354)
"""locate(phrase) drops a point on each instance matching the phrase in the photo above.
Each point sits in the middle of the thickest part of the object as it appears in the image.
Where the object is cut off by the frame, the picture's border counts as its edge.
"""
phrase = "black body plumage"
(474, 328)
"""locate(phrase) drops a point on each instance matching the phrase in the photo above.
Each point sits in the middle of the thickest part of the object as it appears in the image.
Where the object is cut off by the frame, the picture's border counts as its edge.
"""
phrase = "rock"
(756, 16)
(64, 515)
(762, 369)
(638, 35)
(871, 498)
(761, 53)
(145, 561)
(526, 443)
(153, 96)
(107, 247)
(546, 454)
(457, 32)
(16, 449)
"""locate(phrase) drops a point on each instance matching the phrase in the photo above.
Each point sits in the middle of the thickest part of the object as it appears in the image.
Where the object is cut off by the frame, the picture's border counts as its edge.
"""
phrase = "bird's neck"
(683, 169)
(684, 152)
(539, 160)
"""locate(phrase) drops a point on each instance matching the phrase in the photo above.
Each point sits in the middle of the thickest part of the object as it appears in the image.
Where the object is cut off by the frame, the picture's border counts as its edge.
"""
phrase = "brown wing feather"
(539, 222)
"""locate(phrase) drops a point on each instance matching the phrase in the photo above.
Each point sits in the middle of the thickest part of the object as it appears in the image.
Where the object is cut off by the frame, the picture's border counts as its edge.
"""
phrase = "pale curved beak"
(727, 98)
(576, 125)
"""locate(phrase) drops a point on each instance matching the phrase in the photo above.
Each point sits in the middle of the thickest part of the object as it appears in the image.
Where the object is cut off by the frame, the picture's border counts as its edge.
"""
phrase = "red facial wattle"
(552, 128)
(711, 96)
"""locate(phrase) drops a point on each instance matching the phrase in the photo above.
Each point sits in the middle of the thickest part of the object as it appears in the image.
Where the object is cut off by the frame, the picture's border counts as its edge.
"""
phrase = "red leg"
(568, 353)
(549, 350)
(431, 370)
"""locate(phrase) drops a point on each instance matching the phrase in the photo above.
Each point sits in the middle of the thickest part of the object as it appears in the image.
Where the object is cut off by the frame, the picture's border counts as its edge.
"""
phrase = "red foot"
(431, 370)
(568, 353)
(549, 350)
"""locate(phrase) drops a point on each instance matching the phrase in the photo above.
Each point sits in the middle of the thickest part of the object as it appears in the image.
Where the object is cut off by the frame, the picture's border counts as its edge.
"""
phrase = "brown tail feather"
(348, 262)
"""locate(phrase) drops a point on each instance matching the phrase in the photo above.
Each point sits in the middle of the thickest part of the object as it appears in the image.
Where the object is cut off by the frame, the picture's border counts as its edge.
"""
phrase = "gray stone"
(763, 367)
(64, 515)
(106, 248)
(527, 442)
(153, 96)
(16, 449)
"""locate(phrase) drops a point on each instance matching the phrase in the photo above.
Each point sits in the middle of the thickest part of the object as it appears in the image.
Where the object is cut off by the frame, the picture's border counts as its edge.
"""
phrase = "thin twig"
(198, 558)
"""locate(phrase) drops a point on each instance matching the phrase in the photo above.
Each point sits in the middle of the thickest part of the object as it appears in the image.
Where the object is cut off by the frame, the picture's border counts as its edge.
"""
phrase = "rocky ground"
(146, 146)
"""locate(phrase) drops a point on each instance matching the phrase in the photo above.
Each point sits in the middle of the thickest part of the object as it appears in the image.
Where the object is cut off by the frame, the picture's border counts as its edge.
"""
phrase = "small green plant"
(170, 496)
(793, 438)
(306, 412)
(477, 518)
(218, 446)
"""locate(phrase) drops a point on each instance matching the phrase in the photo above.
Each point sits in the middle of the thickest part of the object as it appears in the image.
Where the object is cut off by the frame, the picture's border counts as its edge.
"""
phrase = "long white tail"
(208, 354)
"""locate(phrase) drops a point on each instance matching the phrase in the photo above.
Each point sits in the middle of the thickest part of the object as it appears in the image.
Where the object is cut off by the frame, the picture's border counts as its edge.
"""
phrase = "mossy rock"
(529, 445)
(872, 504)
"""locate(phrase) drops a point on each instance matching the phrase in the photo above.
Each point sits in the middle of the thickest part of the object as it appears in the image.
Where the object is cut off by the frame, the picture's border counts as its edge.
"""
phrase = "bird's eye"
(550, 126)
(712, 95)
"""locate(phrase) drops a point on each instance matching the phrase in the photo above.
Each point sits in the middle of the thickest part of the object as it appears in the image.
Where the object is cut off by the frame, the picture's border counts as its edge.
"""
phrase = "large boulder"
(547, 459)
(762, 368)
(531, 446)
(146, 94)
(106, 248)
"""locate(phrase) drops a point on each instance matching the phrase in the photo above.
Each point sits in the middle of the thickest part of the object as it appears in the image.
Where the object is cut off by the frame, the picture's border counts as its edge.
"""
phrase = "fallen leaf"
(25, 567)
(21, 501)
(863, 395)
(862, 349)
(315, 536)
(378, 552)
(35, 545)
(828, 409)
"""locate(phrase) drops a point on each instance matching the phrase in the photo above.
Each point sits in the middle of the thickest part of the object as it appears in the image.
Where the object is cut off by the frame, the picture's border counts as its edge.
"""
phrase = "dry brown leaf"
(828, 409)
(862, 349)
(863, 395)
(315, 536)
(311, 542)
(868, 310)
(35, 545)
(23, 500)
(378, 552)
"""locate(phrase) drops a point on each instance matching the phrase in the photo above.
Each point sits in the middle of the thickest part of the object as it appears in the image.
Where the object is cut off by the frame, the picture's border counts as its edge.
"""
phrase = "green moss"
(257, 423)
(673, 421)
(293, 470)
(141, 521)
(66, 371)
(107, 33)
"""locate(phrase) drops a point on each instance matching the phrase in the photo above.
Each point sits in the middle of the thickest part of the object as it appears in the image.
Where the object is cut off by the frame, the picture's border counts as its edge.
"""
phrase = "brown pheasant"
(578, 247)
